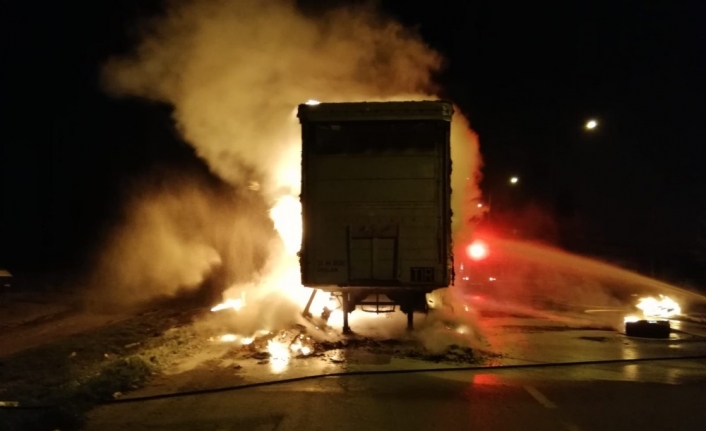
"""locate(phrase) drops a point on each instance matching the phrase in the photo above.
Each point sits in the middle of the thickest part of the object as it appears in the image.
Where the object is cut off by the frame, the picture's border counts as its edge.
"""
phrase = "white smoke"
(235, 71)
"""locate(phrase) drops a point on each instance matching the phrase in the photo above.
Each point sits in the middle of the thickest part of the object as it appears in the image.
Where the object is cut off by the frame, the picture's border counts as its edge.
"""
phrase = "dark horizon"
(528, 78)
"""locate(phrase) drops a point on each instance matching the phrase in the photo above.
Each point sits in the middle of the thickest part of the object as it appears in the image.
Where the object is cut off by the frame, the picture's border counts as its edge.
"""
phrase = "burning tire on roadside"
(648, 328)
(654, 321)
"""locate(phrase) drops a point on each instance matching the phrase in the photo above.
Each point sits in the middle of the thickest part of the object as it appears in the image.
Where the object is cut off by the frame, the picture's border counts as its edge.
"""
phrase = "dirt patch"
(70, 375)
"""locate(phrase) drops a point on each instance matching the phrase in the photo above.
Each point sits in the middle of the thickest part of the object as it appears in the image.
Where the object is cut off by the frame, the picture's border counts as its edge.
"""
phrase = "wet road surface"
(643, 396)
(661, 395)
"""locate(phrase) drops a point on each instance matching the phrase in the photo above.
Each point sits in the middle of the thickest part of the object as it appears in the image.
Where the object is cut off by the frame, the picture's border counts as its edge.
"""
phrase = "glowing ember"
(300, 347)
(235, 304)
(663, 307)
(228, 338)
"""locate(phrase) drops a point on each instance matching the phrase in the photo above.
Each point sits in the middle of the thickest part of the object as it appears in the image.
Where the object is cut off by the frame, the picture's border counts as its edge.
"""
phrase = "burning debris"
(654, 322)
(278, 349)
(302, 344)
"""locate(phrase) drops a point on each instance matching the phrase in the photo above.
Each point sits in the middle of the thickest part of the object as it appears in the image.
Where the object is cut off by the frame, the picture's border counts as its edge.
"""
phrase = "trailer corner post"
(306, 312)
(346, 328)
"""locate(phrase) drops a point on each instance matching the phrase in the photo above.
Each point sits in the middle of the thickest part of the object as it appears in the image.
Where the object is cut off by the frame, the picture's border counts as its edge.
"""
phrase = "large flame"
(282, 276)
(287, 217)
(664, 307)
(285, 277)
(653, 308)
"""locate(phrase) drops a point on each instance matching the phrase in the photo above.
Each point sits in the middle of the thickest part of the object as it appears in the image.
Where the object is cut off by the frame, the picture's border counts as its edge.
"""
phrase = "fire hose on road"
(8, 406)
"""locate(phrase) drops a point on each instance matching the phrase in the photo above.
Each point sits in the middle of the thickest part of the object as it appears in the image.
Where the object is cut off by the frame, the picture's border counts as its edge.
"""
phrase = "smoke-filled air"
(235, 72)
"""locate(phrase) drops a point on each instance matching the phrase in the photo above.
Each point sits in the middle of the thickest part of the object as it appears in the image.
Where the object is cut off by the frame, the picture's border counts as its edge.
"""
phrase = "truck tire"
(648, 329)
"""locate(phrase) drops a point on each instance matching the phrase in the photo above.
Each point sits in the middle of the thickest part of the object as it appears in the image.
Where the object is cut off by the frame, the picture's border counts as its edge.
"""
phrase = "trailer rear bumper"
(409, 300)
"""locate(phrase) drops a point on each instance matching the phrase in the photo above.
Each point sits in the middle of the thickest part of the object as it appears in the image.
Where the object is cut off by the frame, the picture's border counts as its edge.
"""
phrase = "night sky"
(527, 75)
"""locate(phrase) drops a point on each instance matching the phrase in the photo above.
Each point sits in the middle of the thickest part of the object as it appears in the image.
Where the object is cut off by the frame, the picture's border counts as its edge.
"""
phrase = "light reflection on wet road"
(645, 396)
(605, 397)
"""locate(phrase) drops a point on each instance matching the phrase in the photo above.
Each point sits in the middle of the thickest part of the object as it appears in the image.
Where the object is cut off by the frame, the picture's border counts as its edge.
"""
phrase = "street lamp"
(514, 180)
(591, 124)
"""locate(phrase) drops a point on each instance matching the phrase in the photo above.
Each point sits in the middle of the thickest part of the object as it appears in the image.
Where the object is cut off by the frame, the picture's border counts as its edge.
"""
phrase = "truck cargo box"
(376, 195)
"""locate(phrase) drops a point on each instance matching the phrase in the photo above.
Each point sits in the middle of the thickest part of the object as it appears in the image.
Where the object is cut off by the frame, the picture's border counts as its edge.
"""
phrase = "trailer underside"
(374, 300)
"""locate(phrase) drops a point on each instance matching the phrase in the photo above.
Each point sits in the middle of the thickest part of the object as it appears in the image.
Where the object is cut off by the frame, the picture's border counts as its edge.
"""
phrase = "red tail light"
(478, 250)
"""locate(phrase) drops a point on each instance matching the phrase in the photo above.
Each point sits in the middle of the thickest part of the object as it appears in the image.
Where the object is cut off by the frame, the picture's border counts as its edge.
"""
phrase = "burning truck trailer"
(376, 193)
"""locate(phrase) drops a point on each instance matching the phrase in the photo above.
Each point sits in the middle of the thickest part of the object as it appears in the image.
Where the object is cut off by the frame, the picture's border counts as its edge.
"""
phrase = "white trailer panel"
(376, 195)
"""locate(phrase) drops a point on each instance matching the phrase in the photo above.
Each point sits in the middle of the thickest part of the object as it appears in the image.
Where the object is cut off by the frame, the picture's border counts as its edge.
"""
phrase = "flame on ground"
(279, 355)
(302, 345)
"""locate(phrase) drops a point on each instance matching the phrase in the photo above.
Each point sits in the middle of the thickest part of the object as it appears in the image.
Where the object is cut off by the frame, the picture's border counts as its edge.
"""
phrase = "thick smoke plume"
(177, 235)
(235, 72)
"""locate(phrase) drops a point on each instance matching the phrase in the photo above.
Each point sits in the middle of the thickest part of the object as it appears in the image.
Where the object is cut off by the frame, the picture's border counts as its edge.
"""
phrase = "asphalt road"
(644, 396)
